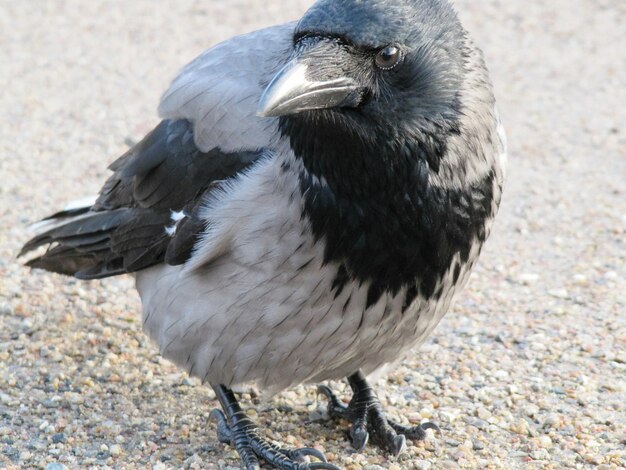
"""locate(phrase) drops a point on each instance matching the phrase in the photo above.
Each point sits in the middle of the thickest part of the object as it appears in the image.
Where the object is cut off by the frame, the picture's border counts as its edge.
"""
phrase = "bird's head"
(371, 67)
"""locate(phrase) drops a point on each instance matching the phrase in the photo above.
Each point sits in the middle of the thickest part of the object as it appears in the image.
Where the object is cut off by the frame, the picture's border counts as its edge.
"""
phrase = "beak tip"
(262, 112)
(265, 108)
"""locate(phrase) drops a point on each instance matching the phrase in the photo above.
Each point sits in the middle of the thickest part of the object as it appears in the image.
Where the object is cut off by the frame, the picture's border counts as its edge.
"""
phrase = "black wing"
(130, 227)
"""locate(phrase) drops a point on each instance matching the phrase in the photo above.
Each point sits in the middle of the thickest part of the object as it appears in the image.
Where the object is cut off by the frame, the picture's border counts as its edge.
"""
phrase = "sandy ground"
(527, 371)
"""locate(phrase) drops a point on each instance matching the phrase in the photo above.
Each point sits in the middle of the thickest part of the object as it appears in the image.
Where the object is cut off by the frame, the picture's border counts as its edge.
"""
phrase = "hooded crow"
(314, 197)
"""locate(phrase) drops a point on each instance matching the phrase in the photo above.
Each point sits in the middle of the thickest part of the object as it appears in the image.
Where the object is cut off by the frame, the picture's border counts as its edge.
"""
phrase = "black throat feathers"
(372, 201)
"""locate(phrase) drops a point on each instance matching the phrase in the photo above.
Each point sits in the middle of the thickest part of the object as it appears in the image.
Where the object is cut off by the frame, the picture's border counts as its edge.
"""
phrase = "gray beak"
(292, 91)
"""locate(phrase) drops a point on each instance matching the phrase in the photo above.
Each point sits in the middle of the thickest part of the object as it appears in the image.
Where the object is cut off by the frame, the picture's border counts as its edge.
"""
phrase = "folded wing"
(148, 210)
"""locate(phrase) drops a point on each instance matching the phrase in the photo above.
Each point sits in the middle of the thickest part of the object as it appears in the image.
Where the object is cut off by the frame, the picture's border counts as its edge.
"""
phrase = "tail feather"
(73, 209)
(92, 244)
(65, 213)
(72, 228)
(64, 260)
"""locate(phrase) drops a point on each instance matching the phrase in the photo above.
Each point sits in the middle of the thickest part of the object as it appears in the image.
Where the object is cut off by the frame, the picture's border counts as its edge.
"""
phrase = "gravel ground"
(528, 369)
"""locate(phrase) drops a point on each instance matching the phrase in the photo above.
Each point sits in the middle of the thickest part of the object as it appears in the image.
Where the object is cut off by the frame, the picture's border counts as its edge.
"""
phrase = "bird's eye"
(388, 57)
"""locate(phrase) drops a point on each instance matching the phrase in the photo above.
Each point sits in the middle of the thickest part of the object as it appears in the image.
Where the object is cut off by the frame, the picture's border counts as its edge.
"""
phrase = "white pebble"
(448, 415)
(483, 413)
(545, 442)
(528, 278)
(426, 413)
(116, 449)
(501, 374)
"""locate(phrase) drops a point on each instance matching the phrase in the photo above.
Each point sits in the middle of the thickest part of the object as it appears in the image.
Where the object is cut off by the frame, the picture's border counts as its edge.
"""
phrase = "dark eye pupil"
(388, 57)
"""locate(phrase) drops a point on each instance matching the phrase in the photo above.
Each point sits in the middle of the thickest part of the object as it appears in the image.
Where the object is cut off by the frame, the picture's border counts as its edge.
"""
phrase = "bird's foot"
(368, 417)
(235, 428)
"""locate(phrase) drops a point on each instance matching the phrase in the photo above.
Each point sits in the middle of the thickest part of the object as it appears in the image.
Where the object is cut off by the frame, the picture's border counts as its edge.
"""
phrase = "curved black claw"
(416, 433)
(235, 428)
(300, 454)
(385, 434)
(368, 418)
(336, 408)
(360, 437)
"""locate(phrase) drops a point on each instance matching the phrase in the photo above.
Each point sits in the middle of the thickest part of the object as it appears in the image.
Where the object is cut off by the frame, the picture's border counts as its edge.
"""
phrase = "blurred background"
(527, 370)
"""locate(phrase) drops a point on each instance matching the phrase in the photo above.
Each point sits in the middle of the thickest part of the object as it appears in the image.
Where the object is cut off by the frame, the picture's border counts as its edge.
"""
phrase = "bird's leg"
(235, 428)
(368, 417)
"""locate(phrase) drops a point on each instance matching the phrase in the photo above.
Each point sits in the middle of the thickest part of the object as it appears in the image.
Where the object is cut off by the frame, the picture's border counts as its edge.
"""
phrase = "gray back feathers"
(219, 91)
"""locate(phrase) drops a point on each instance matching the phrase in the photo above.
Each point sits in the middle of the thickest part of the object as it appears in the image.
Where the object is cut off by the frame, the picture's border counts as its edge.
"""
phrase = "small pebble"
(422, 465)
(477, 445)
(483, 413)
(115, 450)
(541, 454)
(545, 442)
(55, 466)
(528, 278)
(519, 426)
(552, 420)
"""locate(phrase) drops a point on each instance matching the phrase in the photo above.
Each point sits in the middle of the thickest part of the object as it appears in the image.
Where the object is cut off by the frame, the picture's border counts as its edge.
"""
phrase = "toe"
(336, 408)
(416, 433)
(430, 425)
(300, 454)
(322, 466)
(224, 434)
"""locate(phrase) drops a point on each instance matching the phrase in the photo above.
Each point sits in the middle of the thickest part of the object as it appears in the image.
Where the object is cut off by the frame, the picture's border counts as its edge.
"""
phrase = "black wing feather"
(125, 230)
